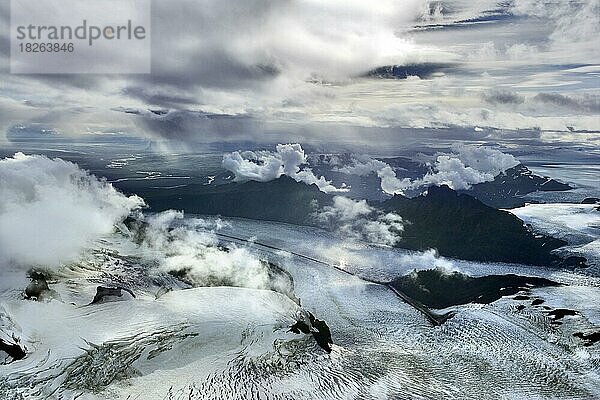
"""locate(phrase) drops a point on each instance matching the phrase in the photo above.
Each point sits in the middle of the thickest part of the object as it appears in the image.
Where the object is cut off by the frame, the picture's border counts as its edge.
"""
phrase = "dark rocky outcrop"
(458, 225)
(13, 350)
(317, 328)
(422, 70)
(588, 338)
(590, 200)
(508, 188)
(137, 228)
(38, 286)
(574, 262)
(105, 293)
(438, 289)
(560, 313)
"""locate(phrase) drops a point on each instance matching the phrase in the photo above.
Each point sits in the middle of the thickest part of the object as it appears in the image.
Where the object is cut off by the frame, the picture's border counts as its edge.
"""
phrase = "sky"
(273, 71)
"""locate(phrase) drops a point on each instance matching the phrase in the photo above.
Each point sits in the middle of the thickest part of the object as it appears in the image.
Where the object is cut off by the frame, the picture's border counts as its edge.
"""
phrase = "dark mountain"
(508, 188)
(455, 224)
(282, 200)
(439, 289)
(362, 186)
(460, 226)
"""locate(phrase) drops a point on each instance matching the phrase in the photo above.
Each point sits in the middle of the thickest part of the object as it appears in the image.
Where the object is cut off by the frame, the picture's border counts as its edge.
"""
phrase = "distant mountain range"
(508, 188)
(456, 224)
(461, 226)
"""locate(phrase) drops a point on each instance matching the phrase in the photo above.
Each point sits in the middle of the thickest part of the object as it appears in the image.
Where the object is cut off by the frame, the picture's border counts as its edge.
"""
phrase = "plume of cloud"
(588, 103)
(454, 173)
(574, 24)
(460, 169)
(50, 209)
(357, 220)
(265, 166)
(502, 97)
(466, 166)
(190, 247)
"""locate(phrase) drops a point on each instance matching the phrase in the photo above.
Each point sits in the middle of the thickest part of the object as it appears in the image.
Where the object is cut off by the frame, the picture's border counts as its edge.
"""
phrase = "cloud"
(291, 71)
(357, 220)
(589, 103)
(485, 159)
(51, 209)
(242, 62)
(460, 169)
(190, 246)
(573, 25)
(502, 97)
(242, 43)
(363, 165)
(426, 260)
(265, 166)
(453, 172)
(467, 166)
(166, 97)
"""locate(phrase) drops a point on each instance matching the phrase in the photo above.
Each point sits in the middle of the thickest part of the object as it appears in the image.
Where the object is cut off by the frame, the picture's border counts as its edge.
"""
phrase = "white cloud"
(248, 166)
(390, 183)
(460, 169)
(426, 260)
(190, 246)
(467, 166)
(51, 209)
(271, 62)
(485, 159)
(265, 166)
(357, 220)
(453, 172)
(362, 165)
(300, 38)
(573, 25)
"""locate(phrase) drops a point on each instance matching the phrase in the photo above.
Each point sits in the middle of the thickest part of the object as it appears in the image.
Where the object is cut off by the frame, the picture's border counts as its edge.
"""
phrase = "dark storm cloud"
(193, 126)
(502, 97)
(254, 70)
(587, 103)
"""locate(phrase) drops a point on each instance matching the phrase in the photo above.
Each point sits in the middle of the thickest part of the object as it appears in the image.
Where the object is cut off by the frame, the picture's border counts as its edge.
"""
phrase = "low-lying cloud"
(357, 220)
(189, 246)
(265, 166)
(50, 209)
(589, 103)
(460, 169)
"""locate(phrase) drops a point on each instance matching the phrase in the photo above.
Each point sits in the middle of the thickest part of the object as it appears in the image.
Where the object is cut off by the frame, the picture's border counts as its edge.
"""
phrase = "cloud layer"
(189, 246)
(357, 220)
(294, 71)
(51, 209)
(459, 170)
(265, 166)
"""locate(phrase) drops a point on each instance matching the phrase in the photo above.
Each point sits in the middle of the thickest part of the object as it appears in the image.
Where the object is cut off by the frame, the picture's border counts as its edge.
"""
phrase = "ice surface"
(232, 342)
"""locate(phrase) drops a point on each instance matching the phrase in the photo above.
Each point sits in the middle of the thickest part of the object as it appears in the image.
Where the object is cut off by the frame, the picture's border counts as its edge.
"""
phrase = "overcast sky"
(271, 71)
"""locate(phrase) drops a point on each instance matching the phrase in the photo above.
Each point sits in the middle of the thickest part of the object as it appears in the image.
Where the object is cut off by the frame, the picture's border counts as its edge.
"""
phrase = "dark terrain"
(456, 225)
(508, 188)
(439, 289)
